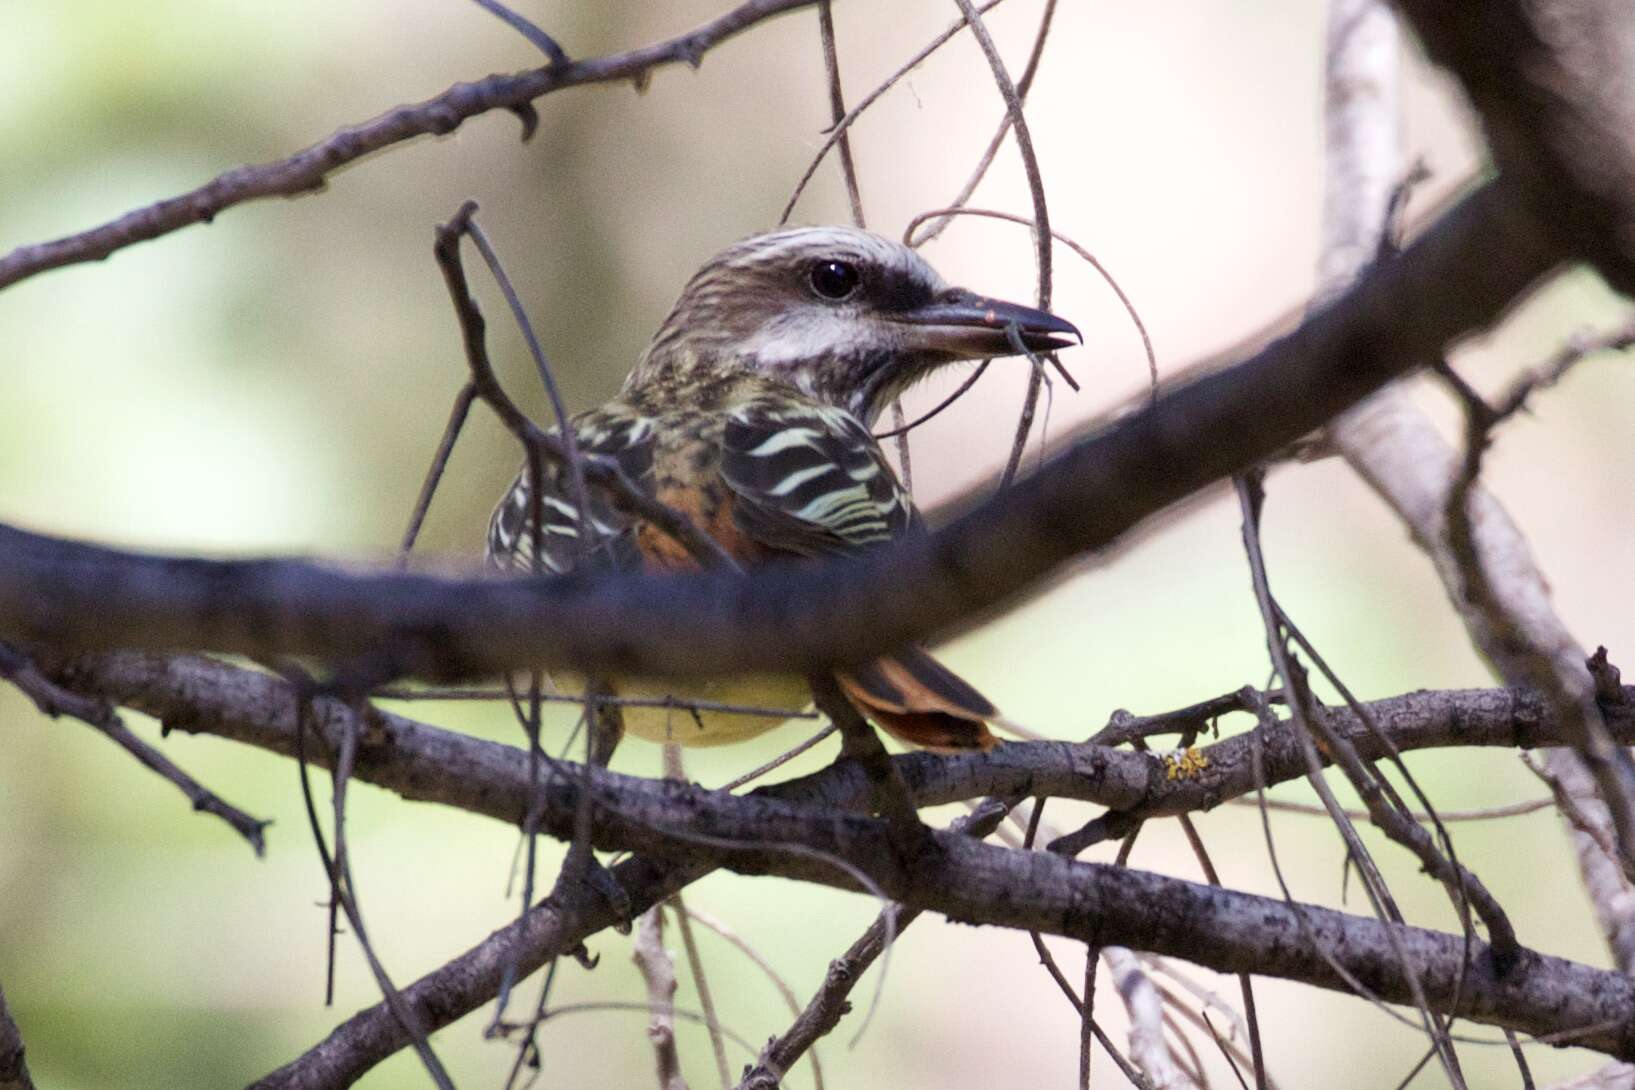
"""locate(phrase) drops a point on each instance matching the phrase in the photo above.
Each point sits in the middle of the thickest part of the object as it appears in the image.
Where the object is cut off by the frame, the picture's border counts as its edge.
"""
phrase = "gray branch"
(696, 830)
(308, 170)
(1453, 281)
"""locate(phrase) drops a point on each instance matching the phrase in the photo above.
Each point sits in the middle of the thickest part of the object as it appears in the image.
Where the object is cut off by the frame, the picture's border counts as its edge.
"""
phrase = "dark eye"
(834, 279)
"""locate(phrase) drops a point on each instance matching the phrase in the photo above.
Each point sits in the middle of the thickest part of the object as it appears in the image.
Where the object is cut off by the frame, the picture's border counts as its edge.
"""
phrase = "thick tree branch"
(425, 763)
(1454, 280)
(1554, 81)
(309, 169)
(1225, 930)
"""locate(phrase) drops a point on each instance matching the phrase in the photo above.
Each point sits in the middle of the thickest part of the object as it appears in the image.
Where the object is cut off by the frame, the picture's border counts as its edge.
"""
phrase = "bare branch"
(308, 170)
(1396, 449)
(52, 700)
(659, 972)
(426, 764)
(1610, 1077)
(1452, 280)
(423, 763)
(831, 1003)
(1146, 1010)
(1554, 82)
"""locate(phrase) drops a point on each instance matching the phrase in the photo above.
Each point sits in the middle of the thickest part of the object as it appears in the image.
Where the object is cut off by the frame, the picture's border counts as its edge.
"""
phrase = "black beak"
(969, 326)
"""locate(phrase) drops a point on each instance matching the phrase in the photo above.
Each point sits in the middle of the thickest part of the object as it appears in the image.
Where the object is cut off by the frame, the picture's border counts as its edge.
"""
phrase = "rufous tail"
(921, 701)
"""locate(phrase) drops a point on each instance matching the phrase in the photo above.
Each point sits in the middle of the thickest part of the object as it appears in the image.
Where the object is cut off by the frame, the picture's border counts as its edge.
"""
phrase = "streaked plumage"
(750, 413)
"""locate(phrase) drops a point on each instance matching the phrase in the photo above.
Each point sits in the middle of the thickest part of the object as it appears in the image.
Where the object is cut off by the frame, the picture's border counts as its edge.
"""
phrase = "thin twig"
(900, 427)
(1303, 709)
(541, 40)
(52, 700)
(1085, 1007)
(780, 760)
(1486, 813)
(1246, 988)
(603, 472)
(1087, 1016)
(1084, 253)
(674, 771)
(739, 943)
(838, 131)
(701, 983)
(1146, 1009)
(830, 1003)
(337, 872)
(344, 888)
(439, 462)
(659, 973)
(634, 1008)
(1233, 1053)
(837, 109)
(854, 195)
(1023, 86)
(1391, 814)
(1041, 219)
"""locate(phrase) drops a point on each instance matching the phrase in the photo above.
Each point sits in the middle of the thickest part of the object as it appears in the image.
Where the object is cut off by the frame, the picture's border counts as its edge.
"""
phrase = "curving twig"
(1023, 86)
(1041, 219)
(541, 40)
(838, 131)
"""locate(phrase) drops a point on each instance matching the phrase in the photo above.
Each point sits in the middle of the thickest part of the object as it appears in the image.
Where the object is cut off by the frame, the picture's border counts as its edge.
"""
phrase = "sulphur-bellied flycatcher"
(749, 413)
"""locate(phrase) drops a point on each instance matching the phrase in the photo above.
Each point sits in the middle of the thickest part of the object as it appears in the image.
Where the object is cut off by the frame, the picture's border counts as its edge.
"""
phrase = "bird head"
(843, 315)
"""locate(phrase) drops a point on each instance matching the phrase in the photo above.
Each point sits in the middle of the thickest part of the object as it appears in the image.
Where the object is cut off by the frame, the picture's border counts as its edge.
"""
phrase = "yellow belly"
(786, 695)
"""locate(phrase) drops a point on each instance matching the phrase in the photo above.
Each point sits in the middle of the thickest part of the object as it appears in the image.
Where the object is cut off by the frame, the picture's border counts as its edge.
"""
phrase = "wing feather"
(810, 479)
(612, 431)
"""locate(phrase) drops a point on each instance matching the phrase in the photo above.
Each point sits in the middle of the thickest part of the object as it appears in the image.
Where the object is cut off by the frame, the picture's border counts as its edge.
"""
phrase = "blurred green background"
(277, 382)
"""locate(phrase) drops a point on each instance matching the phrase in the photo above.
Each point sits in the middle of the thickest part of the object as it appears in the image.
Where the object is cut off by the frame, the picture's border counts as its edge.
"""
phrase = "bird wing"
(811, 480)
(612, 431)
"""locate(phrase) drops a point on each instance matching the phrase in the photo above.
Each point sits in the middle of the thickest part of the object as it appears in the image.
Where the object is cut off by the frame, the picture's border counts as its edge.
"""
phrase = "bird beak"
(967, 326)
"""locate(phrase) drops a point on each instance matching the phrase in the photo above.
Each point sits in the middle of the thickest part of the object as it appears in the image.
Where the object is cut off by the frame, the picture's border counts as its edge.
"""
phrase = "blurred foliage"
(277, 381)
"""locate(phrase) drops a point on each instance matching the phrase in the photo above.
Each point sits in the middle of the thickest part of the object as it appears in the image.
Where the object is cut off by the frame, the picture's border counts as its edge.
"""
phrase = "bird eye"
(834, 279)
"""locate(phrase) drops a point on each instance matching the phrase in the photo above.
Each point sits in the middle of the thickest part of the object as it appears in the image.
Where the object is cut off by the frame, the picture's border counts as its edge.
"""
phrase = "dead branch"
(308, 170)
(1146, 1010)
(659, 972)
(690, 827)
(426, 764)
(1457, 277)
(831, 1003)
(52, 700)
